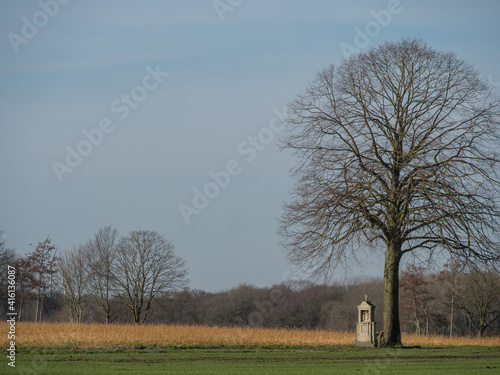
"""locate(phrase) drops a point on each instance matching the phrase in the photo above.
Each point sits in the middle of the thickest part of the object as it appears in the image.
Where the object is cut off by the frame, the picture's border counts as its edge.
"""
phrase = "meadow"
(63, 348)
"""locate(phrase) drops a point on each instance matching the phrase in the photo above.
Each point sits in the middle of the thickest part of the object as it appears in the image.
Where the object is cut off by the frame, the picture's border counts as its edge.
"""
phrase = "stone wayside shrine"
(365, 326)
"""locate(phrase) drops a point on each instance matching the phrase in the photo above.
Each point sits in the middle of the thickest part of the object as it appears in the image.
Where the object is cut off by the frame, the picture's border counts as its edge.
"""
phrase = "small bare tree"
(448, 279)
(397, 151)
(415, 296)
(101, 251)
(40, 272)
(478, 296)
(75, 279)
(146, 267)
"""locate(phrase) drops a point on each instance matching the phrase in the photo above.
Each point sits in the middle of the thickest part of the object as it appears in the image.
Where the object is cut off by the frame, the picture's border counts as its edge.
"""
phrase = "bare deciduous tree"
(146, 267)
(448, 284)
(101, 250)
(415, 296)
(73, 268)
(478, 296)
(396, 151)
(40, 269)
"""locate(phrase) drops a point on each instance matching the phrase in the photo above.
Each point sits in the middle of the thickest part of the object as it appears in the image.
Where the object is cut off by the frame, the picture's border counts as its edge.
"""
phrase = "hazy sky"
(123, 112)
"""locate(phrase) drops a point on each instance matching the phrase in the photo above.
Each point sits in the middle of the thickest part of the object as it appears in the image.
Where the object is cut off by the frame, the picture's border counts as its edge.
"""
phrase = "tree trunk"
(20, 309)
(482, 325)
(137, 315)
(451, 317)
(107, 307)
(37, 306)
(392, 330)
(417, 322)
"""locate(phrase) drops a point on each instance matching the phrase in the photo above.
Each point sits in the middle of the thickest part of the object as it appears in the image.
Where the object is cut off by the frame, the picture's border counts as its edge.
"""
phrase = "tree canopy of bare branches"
(101, 251)
(396, 152)
(146, 268)
(74, 272)
(40, 273)
(479, 297)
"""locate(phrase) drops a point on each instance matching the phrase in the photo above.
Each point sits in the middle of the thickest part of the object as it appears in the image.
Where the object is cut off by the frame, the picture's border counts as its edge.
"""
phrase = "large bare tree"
(146, 268)
(396, 152)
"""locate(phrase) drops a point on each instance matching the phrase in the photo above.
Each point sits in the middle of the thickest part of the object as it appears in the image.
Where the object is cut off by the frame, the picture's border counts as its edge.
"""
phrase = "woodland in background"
(429, 302)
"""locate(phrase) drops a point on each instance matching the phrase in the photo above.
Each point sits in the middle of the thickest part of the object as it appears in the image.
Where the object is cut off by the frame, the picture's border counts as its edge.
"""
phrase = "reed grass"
(127, 335)
(438, 340)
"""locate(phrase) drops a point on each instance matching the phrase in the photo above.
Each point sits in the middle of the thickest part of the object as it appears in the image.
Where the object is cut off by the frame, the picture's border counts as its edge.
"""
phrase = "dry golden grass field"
(117, 335)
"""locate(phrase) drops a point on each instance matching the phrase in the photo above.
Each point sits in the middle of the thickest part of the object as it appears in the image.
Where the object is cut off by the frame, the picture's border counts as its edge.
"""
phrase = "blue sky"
(229, 73)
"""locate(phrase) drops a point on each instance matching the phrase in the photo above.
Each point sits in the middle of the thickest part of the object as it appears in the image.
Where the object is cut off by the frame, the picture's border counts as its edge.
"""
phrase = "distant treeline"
(427, 305)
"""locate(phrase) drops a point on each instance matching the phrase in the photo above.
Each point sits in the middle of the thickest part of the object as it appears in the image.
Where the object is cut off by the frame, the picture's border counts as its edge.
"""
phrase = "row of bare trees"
(460, 295)
(135, 270)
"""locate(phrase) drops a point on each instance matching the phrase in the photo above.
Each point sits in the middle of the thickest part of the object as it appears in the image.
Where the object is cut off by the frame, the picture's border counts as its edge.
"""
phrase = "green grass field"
(257, 360)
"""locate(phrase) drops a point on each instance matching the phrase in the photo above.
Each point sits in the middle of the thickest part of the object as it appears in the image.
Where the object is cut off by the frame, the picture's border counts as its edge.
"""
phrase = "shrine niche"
(365, 326)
